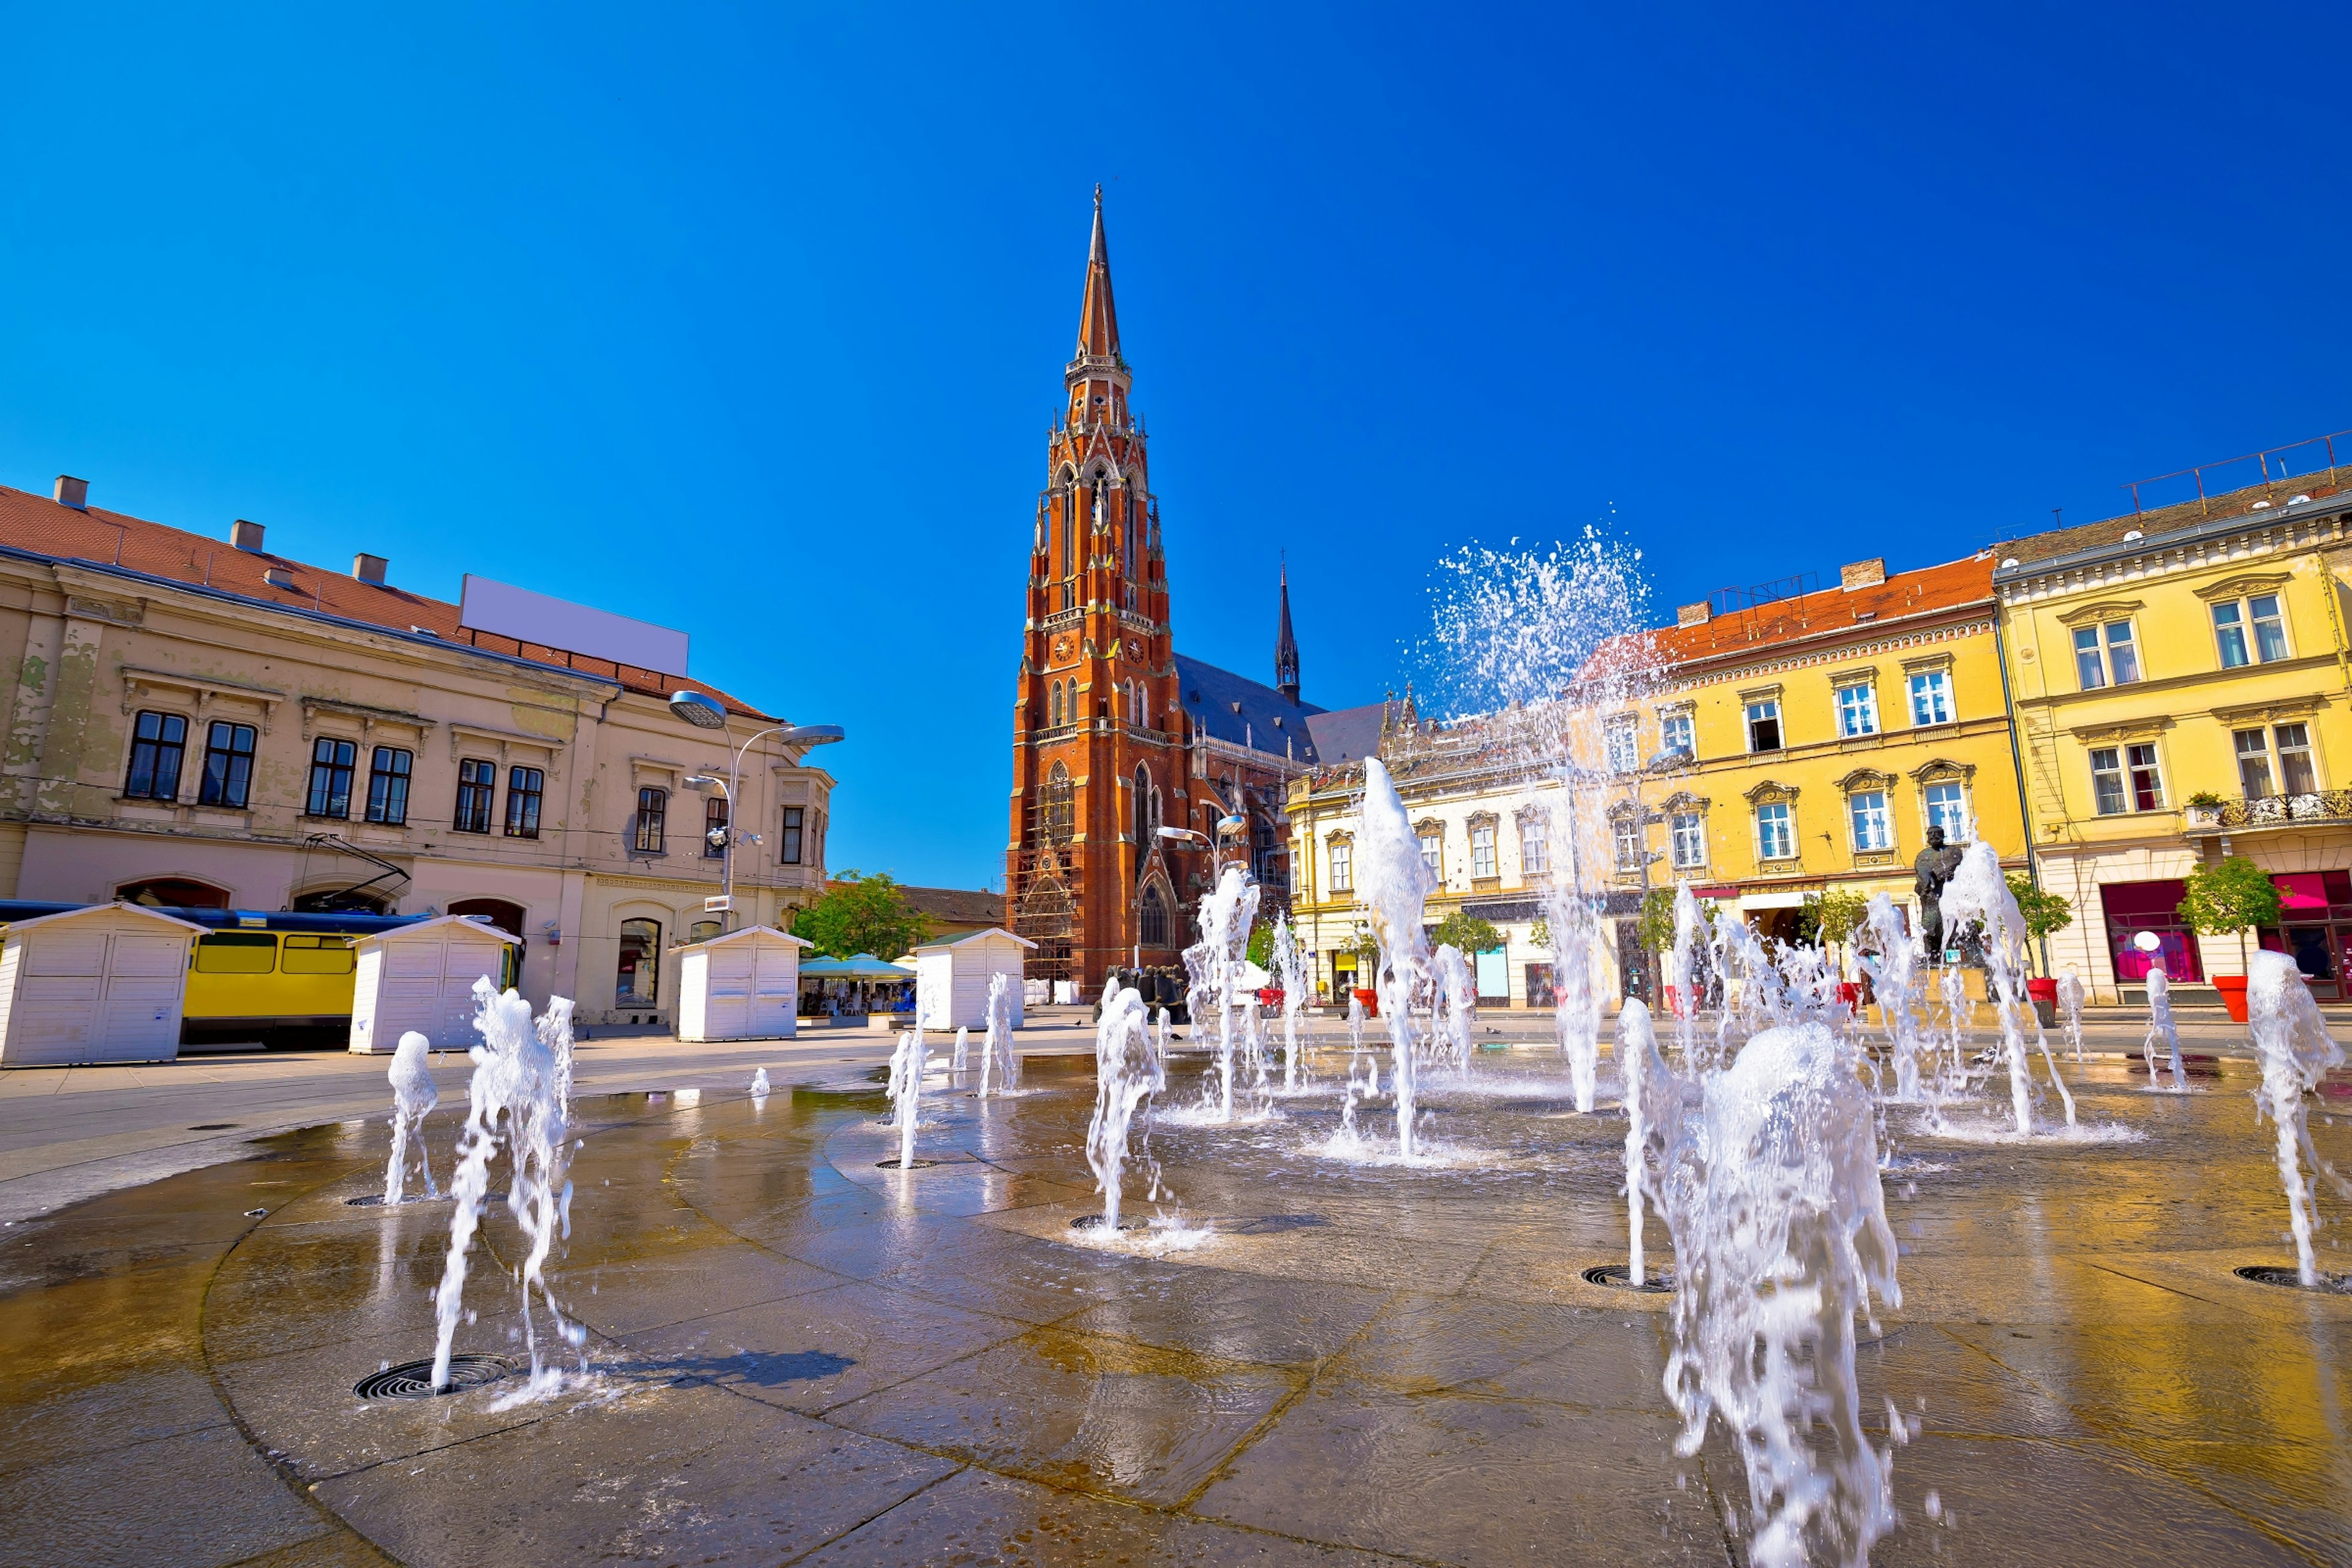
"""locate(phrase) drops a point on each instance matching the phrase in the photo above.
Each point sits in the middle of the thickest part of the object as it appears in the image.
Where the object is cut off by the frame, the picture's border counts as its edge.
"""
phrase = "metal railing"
(2277, 466)
(2275, 811)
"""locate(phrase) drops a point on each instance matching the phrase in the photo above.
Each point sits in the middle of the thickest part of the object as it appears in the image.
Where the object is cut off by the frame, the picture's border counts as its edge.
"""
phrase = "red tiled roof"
(1950, 586)
(44, 527)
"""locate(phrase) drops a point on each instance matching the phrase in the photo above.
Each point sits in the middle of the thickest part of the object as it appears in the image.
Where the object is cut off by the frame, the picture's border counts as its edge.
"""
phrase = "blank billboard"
(513, 612)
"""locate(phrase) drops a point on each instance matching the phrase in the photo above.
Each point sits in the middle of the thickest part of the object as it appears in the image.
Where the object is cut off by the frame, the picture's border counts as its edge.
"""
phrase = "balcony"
(2319, 808)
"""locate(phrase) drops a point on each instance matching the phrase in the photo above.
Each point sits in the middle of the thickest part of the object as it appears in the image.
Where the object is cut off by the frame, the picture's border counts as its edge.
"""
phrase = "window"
(330, 777)
(1674, 733)
(1857, 711)
(1931, 697)
(2231, 619)
(1432, 842)
(237, 952)
(476, 779)
(1343, 868)
(702, 931)
(1764, 725)
(653, 812)
(1947, 808)
(1151, 920)
(2297, 776)
(789, 852)
(525, 788)
(158, 741)
(2126, 779)
(2106, 656)
(1775, 837)
(228, 765)
(2253, 763)
(1623, 745)
(1868, 809)
(1688, 831)
(1482, 850)
(1535, 847)
(1053, 705)
(388, 786)
(640, 968)
(1625, 838)
(714, 828)
(317, 955)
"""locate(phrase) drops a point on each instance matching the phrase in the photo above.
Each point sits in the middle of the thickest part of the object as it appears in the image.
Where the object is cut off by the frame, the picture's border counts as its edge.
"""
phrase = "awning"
(865, 966)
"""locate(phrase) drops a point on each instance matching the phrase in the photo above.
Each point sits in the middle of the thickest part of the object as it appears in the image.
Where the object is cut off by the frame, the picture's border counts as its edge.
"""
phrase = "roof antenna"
(2058, 517)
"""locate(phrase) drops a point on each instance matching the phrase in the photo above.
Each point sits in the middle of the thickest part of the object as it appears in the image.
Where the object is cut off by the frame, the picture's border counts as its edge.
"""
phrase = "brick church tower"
(1114, 734)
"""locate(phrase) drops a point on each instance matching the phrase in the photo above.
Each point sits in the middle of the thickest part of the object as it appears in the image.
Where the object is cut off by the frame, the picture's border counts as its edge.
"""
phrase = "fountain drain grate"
(1617, 1277)
(413, 1380)
(375, 1200)
(2277, 1274)
(1094, 1222)
(911, 1164)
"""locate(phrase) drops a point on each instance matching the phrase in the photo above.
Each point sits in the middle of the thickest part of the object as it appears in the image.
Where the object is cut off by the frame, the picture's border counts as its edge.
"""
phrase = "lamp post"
(705, 713)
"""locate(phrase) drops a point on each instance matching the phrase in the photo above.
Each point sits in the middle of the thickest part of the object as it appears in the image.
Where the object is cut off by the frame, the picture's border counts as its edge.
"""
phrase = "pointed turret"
(1097, 317)
(1285, 647)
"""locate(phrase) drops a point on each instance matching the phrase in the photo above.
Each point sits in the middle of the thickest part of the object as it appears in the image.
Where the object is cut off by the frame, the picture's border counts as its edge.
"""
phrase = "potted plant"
(2045, 913)
(2205, 809)
(2226, 897)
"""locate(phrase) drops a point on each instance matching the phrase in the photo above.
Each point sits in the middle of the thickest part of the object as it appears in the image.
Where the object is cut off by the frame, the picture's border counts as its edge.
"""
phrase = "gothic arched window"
(1143, 823)
(1056, 808)
(1152, 922)
(1054, 703)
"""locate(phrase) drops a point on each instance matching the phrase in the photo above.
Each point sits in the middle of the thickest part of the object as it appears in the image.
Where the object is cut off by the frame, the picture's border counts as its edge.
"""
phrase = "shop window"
(2254, 627)
(1931, 697)
(526, 788)
(788, 853)
(646, 828)
(2131, 908)
(1776, 838)
(388, 786)
(1871, 830)
(640, 969)
(1764, 725)
(2106, 656)
(1857, 711)
(158, 742)
(228, 765)
(331, 765)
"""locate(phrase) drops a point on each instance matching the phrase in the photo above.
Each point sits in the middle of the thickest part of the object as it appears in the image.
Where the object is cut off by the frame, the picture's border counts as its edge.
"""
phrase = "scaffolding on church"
(1042, 899)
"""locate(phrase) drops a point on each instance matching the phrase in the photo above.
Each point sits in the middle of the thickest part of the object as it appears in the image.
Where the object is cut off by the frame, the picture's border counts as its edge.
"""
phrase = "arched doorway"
(508, 918)
(341, 902)
(637, 982)
(174, 893)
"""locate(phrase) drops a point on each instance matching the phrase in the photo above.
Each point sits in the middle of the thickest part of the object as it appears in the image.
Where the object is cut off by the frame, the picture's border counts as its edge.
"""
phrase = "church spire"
(1285, 647)
(1097, 317)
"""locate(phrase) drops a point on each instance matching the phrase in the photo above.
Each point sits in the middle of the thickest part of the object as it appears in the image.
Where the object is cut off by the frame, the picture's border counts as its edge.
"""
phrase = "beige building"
(194, 721)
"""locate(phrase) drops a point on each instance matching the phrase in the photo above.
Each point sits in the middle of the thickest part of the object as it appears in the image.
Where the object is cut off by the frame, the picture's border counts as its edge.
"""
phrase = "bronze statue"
(1936, 866)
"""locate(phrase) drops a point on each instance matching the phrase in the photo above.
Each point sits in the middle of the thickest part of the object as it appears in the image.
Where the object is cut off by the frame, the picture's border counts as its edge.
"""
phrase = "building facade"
(197, 720)
(1116, 735)
(2180, 682)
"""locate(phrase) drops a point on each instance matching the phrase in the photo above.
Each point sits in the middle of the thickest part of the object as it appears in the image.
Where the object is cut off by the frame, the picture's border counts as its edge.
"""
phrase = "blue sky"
(752, 321)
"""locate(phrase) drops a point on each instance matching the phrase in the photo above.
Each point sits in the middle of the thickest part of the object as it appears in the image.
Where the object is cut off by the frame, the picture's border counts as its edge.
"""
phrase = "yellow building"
(2180, 680)
(1829, 730)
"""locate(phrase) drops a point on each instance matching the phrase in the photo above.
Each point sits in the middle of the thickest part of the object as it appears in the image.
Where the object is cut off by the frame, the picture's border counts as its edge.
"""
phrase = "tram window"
(237, 952)
(317, 955)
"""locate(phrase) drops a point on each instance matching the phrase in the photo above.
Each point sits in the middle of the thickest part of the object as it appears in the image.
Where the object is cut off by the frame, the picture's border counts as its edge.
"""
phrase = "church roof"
(1243, 712)
(1348, 734)
(1097, 317)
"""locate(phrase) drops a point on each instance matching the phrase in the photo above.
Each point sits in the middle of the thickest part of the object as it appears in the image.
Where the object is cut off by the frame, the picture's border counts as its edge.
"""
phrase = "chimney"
(72, 492)
(246, 535)
(1863, 575)
(369, 568)
(277, 577)
(1696, 615)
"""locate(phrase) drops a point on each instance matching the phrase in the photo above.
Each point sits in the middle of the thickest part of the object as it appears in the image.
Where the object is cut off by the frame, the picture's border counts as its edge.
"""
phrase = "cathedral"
(1116, 735)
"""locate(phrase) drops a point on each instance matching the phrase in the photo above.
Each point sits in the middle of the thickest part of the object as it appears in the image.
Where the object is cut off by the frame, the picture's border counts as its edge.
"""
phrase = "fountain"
(1455, 1010)
(908, 1065)
(758, 1083)
(962, 1061)
(1291, 965)
(412, 1098)
(1894, 980)
(1978, 896)
(1215, 965)
(2160, 1029)
(1653, 1124)
(1781, 1238)
(1576, 998)
(1394, 888)
(1690, 938)
(996, 1057)
(1959, 1012)
(520, 1094)
(1129, 1070)
(2070, 1009)
(2296, 1050)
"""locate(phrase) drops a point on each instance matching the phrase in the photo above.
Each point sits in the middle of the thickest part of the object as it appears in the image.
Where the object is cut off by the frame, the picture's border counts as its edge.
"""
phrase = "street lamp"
(705, 713)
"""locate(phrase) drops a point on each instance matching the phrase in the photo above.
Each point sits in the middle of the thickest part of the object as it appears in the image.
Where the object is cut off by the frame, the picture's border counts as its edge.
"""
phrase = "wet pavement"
(796, 1355)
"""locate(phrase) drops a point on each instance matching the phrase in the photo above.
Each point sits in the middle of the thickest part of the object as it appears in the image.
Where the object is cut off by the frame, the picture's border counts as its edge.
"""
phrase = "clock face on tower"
(1062, 646)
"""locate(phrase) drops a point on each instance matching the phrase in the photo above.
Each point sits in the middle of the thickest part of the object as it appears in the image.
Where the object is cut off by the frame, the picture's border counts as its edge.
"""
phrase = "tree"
(862, 914)
(2045, 912)
(2227, 896)
(1831, 918)
(1260, 950)
(1657, 926)
(1466, 934)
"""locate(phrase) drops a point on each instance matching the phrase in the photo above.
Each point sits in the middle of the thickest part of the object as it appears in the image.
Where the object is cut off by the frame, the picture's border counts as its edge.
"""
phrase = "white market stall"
(422, 977)
(744, 986)
(951, 978)
(98, 985)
